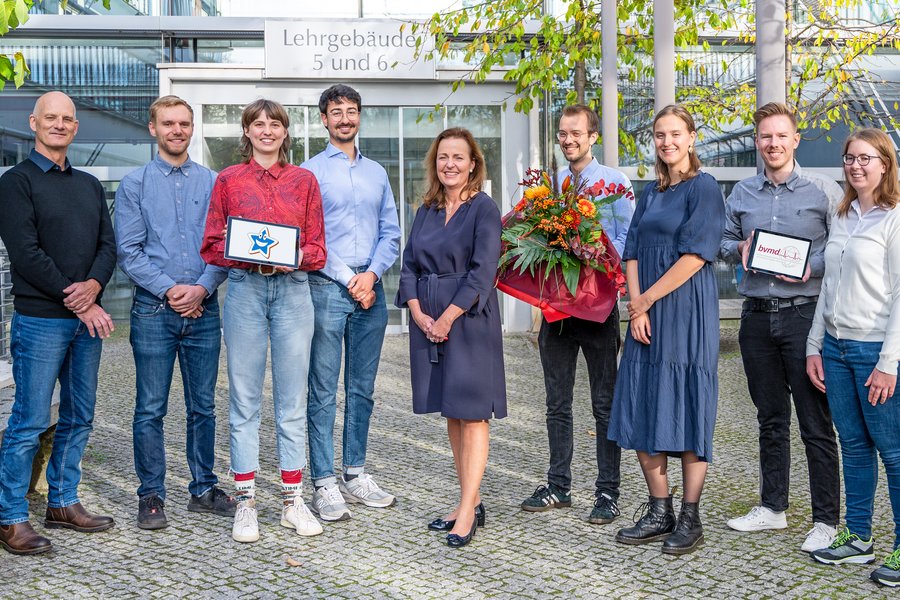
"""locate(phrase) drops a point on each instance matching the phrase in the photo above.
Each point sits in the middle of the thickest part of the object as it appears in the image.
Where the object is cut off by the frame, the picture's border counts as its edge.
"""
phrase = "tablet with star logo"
(262, 243)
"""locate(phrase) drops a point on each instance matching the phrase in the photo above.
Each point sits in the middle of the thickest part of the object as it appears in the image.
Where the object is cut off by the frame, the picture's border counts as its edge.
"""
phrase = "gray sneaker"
(328, 503)
(846, 548)
(363, 489)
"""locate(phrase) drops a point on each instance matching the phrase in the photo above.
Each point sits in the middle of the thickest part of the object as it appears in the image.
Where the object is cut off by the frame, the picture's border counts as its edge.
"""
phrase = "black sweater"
(57, 231)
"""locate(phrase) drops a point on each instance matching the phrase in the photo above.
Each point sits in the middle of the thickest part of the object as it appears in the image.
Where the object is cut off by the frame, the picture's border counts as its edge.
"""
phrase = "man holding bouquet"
(560, 341)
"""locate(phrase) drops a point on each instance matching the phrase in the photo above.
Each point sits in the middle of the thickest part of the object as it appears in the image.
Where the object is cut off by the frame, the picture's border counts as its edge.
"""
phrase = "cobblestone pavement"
(388, 553)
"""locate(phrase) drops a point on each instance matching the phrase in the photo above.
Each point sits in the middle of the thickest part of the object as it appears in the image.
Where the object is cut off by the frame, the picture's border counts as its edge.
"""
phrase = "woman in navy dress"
(667, 386)
(455, 345)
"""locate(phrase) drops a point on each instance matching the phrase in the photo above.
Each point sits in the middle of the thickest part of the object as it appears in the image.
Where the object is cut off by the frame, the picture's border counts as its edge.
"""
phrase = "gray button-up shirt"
(801, 206)
(160, 218)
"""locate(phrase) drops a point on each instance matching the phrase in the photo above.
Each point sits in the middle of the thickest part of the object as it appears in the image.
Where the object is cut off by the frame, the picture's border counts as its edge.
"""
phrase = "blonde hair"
(168, 102)
(663, 177)
(434, 196)
(887, 193)
(774, 109)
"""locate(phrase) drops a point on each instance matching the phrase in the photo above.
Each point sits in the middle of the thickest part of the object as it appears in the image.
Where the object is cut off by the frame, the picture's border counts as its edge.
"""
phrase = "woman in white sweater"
(854, 344)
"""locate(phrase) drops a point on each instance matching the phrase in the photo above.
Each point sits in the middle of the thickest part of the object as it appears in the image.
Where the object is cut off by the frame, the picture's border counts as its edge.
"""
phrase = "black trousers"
(559, 343)
(773, 348)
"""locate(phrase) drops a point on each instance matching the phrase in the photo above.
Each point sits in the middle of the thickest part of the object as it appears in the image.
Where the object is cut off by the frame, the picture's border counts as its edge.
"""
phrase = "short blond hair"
(774, 109)
(168, 102)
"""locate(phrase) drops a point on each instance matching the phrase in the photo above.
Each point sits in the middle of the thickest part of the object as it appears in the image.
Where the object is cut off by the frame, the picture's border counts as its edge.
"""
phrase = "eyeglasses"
(575, 135)
(862, 159)
(350, 113)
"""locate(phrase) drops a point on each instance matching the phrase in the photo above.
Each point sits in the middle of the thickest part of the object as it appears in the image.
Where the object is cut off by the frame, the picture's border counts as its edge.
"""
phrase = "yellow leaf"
(486, 48)
(291, 562)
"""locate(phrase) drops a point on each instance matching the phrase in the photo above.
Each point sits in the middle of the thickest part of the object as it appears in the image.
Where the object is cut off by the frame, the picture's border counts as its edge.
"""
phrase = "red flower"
(521, 205)
(567, 182)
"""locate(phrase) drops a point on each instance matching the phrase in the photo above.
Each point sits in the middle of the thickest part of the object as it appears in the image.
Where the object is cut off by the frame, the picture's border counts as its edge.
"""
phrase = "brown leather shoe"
(21, 538)
(76, 517)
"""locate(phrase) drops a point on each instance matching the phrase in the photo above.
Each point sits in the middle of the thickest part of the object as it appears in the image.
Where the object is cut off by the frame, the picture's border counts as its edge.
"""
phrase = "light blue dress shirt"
(361, 223)
(160, 218)
(616, 217)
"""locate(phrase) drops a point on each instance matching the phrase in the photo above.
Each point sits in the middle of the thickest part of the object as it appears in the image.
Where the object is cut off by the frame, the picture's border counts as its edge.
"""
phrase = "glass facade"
(397, 137)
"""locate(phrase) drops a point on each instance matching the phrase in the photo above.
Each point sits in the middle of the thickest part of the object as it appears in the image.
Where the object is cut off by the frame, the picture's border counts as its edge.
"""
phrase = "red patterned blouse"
(287, 195)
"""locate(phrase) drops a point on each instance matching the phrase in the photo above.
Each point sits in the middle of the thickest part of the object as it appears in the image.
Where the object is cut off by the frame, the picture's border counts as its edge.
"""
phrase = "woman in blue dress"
(455, 344)
(667, 386)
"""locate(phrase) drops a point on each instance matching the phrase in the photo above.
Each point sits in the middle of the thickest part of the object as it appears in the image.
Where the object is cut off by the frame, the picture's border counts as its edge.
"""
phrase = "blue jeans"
(259, 309)
(863, 431)
(44, 350)
(341, 324)
(158, 335)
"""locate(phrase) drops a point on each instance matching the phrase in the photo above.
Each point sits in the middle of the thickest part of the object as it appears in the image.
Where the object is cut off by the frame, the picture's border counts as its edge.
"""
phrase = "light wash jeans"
(44, 350)
(260, 309)
(342, 326)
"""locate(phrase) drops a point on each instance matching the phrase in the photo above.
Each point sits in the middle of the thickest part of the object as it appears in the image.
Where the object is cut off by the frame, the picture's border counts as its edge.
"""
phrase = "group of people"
(171, 219)
(828, 340)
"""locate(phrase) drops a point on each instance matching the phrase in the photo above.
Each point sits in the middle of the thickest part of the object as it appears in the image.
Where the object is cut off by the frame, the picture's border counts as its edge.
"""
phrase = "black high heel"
(440, 524)
(458, 541)
(480, 514)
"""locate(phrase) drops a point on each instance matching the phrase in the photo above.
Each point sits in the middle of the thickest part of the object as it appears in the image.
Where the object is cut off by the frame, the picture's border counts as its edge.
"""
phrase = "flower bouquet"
(555, 253)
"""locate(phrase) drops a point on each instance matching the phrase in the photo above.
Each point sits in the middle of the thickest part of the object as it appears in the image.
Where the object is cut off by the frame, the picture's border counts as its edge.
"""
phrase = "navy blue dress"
(456, 263)
(666, 392)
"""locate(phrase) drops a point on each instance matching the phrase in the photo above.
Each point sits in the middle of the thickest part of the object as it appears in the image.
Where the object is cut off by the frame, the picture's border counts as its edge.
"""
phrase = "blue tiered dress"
(667, 391)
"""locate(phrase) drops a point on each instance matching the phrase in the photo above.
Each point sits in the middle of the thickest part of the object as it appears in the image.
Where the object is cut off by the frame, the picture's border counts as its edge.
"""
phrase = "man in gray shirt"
(775, 322)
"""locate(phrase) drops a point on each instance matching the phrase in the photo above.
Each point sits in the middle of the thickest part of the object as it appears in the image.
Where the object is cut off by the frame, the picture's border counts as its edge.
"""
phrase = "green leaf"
(21, 70)
(6, 68)
(571, 271)
(4, 18)
(21, 12)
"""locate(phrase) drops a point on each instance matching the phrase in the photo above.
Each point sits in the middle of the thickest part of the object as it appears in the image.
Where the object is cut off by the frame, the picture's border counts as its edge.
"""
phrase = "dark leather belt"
(773, 305)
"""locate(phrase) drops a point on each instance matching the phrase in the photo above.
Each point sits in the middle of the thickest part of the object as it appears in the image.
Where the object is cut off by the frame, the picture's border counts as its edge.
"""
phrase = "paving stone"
(388, 553)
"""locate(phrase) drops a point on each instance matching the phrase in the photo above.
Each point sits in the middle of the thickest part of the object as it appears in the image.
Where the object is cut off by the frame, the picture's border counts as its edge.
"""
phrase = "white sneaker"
(297, 516)
(328, 503)
(246, 525)
(819, 537)
(759, 518)
(363, 488)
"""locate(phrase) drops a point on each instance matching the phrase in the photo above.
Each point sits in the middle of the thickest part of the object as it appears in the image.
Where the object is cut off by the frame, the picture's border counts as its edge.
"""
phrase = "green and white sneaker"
(846, 548)
(889, 573)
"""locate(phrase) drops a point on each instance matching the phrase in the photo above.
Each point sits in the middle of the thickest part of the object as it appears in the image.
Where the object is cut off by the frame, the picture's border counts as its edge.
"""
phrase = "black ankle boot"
(656, 523)
(688, 532)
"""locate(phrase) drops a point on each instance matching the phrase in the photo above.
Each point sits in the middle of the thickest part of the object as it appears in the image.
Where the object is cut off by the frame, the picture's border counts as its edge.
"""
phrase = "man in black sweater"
(59, 236)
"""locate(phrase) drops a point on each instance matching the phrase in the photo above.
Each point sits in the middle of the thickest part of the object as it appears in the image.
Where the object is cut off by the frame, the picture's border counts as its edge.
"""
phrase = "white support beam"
(609, 102)
(663, 52)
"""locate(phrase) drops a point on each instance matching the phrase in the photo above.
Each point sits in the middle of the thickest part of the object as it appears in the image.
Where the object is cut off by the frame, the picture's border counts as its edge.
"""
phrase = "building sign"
(342, 49)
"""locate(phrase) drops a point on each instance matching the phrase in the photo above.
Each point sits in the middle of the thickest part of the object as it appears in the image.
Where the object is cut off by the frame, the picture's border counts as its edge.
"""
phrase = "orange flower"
(570, 219)
(587, 208)
(521, 205)
(540, 191)
(566, 183)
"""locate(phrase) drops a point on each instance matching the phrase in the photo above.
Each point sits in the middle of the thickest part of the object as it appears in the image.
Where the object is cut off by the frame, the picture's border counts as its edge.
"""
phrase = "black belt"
(773, 305)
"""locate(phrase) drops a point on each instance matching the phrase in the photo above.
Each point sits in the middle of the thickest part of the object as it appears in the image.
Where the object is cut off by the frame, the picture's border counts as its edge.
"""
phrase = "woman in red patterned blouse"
(264, 304)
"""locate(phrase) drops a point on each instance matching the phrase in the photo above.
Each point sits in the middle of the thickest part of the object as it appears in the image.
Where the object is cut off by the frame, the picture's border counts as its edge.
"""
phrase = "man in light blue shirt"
(362, 236)
(160, 218)
(560, 342)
